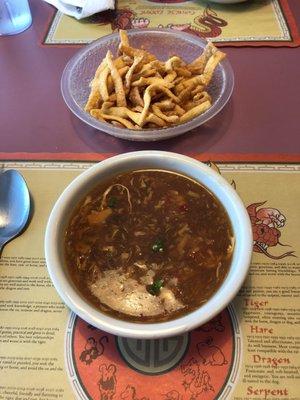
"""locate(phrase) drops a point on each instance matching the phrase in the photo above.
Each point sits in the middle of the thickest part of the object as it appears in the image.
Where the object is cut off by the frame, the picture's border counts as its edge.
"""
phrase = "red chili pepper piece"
(183, 208)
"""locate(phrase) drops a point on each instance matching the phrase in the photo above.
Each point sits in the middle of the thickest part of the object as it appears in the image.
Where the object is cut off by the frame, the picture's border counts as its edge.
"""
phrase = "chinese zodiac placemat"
(249, 351)
(254, 23)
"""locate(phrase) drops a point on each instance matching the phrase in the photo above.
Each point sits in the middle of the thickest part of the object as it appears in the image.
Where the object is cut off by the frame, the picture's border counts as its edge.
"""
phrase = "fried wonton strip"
(137, 60)
(179, 110)
(158, 65)
(193, 82)
(124, 112)
(195, 111)
(131, 52)
(96, 113)
(121, 98)
(152, 81)
(147, 99)
(116, 123)
(102, 65)
(198, 89)
(123, 37)
(106, 105)
(172, 118)
(93, 100)
(170, 77)
(183, 72)
(190, 83)
(127, 60)
(110, 82)
(103, 83)
(113, 97)
(154, 119)
(145, 74)
(191, 104)
(165, 104)
(119, 62)
(107, 117)
(135, 97)
(123, 71)
(211, 65)
(137, 109)
(201, 61)
(173, 62)
(201, 97)
(95, 96)
(178, 80)
(122, 121)
(184, 95)
(157, 97)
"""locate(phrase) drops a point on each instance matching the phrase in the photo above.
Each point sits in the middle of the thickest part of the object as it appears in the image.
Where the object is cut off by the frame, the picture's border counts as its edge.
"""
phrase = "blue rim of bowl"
(146, 134)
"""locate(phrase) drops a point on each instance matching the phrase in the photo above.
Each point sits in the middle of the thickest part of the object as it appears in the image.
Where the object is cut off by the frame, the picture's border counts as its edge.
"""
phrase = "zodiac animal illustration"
(265, 223)
(107, 382)
(173, 395)
(130, 394)
(211, 354)
(92, 349)
(196, 380)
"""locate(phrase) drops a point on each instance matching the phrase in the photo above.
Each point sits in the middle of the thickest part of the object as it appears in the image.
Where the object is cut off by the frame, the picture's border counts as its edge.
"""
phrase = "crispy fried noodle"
(137, 91)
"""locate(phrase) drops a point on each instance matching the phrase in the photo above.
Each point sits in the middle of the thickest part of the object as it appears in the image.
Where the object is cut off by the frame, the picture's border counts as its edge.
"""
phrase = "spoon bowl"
(14, 205)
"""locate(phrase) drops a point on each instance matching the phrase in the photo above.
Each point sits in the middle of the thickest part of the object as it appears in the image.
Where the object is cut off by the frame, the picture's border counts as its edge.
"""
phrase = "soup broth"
(149, 246)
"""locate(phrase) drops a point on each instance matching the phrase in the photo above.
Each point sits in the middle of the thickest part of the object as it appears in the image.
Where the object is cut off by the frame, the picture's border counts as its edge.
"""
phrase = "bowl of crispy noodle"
(147, 84)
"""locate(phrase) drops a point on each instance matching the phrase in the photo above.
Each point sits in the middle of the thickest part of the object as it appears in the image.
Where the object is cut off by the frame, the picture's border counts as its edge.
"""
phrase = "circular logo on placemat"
(153, 356)
(204, 362)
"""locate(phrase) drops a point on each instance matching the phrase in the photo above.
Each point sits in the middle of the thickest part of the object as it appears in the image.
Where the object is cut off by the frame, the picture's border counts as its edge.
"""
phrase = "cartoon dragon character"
(208, 25)
(265, 223)
(196, 381)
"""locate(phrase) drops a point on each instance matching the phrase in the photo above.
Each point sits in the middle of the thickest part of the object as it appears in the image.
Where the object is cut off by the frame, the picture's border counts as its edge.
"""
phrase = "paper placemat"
(249, 351)
(255, 22)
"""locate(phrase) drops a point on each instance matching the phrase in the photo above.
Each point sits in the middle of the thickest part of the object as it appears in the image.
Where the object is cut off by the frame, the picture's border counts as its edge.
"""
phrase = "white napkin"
(82, 8)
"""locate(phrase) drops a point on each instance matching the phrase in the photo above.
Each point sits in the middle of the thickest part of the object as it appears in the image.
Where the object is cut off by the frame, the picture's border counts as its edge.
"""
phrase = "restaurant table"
(250, 350)
(261, 122)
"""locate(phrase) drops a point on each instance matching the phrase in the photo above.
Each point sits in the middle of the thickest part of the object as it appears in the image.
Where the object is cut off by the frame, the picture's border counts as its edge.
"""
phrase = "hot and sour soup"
(149, 246)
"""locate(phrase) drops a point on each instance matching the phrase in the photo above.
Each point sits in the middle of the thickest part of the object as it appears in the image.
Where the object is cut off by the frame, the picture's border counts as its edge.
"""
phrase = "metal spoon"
(14, 205)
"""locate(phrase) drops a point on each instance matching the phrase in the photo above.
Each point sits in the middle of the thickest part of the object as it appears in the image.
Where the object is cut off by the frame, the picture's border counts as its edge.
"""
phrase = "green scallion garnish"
(155, 287)
(112, 202)
(158, 246)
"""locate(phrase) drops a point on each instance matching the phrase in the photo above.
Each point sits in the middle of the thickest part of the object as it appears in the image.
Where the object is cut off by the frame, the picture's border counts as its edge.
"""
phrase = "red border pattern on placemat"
(215, 157)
